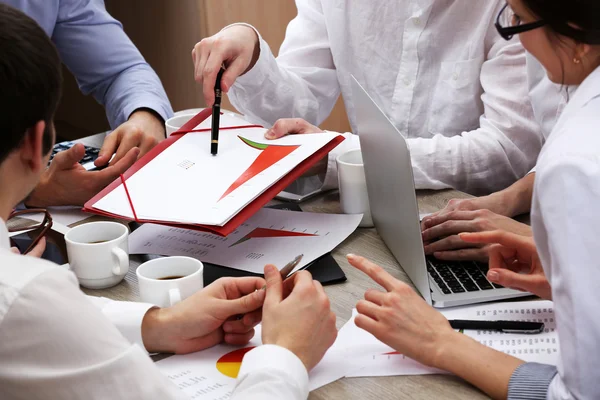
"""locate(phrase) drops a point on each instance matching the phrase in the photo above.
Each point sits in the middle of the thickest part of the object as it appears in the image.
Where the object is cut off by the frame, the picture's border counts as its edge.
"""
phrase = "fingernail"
(269, 135)
(493, 276)
(351, 256)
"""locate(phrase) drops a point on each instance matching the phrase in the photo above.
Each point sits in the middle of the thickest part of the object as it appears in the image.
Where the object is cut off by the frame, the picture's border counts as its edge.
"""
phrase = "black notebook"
(324, 269)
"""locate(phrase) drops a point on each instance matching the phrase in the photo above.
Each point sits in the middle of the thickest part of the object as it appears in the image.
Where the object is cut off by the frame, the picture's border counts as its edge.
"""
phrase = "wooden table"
(365, 242)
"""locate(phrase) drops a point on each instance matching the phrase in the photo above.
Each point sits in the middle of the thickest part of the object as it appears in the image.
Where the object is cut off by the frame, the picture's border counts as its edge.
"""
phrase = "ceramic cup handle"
(123, 267)
(174, 296)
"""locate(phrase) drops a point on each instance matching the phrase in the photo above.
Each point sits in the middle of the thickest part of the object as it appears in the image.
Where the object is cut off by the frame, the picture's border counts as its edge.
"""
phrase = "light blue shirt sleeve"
(106, 64)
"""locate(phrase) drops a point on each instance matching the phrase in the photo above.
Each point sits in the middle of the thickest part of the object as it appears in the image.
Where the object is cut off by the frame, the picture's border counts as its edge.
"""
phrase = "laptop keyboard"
(459, 277)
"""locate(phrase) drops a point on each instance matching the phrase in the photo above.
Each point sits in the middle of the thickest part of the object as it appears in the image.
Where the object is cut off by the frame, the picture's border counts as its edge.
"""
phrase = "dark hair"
(30, 79)
(576, 19)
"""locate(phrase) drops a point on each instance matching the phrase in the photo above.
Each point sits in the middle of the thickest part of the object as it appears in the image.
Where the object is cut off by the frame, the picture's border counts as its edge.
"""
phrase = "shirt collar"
(587, 91)
(4, 240)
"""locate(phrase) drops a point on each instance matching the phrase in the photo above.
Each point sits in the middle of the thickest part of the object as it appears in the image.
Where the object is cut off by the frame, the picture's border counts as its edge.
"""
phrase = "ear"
(582, 50)
(31, 149)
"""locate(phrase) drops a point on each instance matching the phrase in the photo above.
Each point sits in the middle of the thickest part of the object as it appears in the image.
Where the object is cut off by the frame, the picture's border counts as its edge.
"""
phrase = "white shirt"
(57, 343)
(438, 69)
(566, 226)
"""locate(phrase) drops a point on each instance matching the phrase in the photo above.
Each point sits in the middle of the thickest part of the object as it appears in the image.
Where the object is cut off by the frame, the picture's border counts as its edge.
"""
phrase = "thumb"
(233, 71)
(66, 159)
(514, 280)
(247, 303)
(274, 285)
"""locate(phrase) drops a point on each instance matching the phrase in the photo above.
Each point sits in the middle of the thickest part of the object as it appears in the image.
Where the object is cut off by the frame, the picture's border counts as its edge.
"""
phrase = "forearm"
(488, 369)
(516, 199)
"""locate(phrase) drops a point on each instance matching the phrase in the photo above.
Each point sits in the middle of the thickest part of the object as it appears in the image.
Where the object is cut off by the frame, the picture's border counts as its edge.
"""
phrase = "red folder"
(240, 217)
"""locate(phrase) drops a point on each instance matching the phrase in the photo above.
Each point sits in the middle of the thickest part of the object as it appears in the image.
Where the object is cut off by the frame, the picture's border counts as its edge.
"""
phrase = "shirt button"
(407, 81)
(455, 76)
(417, 21)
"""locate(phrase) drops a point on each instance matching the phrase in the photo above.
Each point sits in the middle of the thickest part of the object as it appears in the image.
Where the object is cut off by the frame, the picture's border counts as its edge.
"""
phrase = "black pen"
(216, 114)
(500, 326)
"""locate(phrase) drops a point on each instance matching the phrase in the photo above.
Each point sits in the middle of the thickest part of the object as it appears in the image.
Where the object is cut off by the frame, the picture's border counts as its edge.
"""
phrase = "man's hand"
(36, 252)
(400, 318)
(237, 47)
(67, 183)
(514, 262)
(297, 316)
(143, 130)
(441, 233)
(227, 310)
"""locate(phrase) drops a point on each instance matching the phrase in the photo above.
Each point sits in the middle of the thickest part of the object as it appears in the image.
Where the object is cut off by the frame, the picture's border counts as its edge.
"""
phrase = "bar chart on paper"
(269, 237)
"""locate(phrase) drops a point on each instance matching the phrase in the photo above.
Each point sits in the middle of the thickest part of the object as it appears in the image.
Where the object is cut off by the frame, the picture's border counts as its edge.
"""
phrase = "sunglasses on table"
(508, 24)
(36, 221)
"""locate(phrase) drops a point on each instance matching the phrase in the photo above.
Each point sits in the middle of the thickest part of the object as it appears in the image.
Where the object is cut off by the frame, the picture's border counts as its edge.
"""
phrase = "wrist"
(154, 331)
(451, 346)
(150, 119)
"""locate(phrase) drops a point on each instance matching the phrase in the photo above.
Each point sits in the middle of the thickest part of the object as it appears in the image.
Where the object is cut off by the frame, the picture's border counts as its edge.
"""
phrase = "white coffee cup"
(353, 186)
(98, 253)
(157, 290)
(173, 124)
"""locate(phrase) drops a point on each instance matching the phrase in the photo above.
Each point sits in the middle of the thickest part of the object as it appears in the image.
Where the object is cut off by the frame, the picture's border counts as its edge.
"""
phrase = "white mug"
(184, 277)
(353, 186)
(98, 253)
(179, 119)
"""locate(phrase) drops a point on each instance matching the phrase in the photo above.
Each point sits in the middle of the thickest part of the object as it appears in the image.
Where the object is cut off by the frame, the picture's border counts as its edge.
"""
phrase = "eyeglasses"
(512, 24)
(37, 220)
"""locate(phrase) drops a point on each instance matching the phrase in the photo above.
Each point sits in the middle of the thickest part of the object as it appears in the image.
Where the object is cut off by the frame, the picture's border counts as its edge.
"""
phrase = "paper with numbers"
(270, 237)
(367, 356)
(211, 374)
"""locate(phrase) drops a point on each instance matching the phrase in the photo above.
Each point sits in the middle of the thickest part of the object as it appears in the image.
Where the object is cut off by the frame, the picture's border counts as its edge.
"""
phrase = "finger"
(39, 249)
(253, 318)
(244, 285)
(130, 139)
(209, 73)
(498, 236)
(375, 296)
(286, 126)
(66, 159)
(202, 51)
(448, 228)
(368, 324)
(453, 242)
(369, 309)
(441, 217)
(15, 250)
(234, 70)
(148, 143)
(111, 173)
(237, 326)
(200, 343)
(239, 339)
(108, 148)
(514, 280)
(274, 285)
(480, 255)
(245, 304)
(374, 271)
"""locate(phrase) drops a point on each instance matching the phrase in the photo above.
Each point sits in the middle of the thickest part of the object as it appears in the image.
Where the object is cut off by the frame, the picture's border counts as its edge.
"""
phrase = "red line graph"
(271, 233)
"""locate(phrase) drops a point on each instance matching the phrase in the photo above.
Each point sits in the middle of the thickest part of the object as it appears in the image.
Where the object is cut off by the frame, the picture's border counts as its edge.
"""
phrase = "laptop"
(393, 200)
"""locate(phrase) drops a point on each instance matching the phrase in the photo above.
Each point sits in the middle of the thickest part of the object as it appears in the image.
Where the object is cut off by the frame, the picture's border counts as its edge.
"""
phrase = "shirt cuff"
(531, 381)
(272, 357)
(127, 316)
(163, 110)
